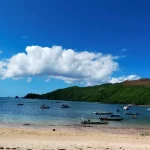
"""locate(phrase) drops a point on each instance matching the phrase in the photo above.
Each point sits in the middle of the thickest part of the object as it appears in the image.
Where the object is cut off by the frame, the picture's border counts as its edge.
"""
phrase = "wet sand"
(74, 138)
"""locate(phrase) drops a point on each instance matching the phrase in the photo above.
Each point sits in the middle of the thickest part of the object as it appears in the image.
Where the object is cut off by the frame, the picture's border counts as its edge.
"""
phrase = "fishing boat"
(65, 106)
(93, 122)
(102, 113)
(20, 104)
(110, 119)
(127, 113)
(44, 107)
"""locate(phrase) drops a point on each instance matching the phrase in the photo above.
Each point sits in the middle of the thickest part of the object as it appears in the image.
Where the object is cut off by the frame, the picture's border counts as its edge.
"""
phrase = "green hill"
(135, 92)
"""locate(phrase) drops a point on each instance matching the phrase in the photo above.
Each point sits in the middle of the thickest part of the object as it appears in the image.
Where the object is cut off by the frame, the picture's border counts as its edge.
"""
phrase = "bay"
(30, 113)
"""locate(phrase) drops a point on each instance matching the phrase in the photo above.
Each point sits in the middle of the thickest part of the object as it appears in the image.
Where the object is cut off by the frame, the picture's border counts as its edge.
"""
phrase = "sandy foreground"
(74, 138)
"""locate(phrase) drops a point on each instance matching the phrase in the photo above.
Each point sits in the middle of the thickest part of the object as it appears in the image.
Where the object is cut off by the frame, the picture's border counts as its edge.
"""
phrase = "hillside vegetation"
(135, 92)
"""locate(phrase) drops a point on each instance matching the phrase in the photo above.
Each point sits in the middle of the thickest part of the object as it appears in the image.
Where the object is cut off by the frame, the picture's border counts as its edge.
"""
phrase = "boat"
(65, 106)
(110, 119)
(102, 113)
(115, 115)
(93, 122)
(126, 107)
(44, 107)
(127, 113)
(148, 108)
(20, 104)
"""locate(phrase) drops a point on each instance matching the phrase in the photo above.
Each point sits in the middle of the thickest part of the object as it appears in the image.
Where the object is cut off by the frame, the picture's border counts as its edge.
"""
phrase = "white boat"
(126, 107)
(148, 109)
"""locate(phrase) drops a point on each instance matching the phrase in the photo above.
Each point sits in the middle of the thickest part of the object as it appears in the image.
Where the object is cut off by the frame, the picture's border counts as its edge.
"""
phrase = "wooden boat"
(127, 113)
(65, 106)
(102, 113)
(20, 104)
(44, 107)
(94, 122)
(110, 119)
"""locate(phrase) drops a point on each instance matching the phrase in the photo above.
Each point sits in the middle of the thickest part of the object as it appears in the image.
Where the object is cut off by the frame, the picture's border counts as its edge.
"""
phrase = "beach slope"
(74, 138)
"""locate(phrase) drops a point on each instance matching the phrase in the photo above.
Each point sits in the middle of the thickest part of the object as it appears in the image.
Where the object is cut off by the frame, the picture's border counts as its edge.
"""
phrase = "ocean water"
(30, 112)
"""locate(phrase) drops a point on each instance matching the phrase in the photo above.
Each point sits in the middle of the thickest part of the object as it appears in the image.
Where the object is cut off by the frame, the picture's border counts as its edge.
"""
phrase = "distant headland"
(135, 92)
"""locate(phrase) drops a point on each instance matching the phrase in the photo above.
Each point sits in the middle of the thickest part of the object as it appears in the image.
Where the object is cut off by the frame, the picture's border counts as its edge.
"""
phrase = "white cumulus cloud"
(85, 67)
(124, 78)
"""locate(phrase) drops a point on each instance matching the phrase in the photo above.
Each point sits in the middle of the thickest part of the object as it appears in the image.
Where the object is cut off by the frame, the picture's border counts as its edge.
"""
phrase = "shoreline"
(82, 101)
(75, 137)
(78, 125)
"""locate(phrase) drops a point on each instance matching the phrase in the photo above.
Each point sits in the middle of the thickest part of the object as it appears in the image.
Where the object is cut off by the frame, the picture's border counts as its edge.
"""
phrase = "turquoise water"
(30, 112)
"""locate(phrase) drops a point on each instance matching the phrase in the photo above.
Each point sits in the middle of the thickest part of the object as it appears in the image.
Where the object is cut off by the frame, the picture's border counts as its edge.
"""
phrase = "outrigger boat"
(110, 119)
(93, 122)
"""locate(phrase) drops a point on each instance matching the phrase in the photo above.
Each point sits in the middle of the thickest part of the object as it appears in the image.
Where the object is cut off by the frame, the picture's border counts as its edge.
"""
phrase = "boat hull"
(94, 123)
(44, 107)
(65, 106)
(101, 113)
(111, 119)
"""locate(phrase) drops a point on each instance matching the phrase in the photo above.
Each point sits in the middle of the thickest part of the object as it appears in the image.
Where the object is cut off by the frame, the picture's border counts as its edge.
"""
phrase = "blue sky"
(94, 26)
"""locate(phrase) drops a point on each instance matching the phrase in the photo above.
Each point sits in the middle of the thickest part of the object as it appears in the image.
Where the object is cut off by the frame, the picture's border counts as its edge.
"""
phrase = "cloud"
(1, 52)
(123, 50)
(3, 64)
(17, 78)
(122, 53)
(66, 79)
(84, 67)
(56, 62)
(29, 79)
(124, 78)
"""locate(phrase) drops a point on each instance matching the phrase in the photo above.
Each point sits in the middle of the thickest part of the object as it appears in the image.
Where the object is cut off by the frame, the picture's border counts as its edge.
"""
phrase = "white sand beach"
(74, 138)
